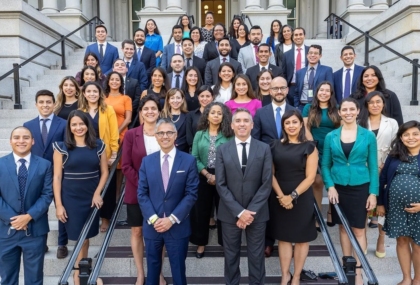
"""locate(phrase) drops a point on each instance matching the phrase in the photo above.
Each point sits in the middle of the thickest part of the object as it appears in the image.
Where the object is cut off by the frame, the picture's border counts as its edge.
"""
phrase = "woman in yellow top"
(105, 124)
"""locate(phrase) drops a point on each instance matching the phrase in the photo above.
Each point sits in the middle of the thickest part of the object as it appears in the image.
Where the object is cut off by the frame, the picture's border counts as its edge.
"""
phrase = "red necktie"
(298, 60)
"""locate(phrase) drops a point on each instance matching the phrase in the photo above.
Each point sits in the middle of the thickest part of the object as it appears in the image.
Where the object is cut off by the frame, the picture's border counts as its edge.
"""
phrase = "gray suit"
(212, 70)
(238, 192)
(246, 57)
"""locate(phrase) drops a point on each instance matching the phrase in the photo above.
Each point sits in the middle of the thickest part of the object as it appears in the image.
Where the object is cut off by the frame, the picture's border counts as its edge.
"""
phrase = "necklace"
(179, 116)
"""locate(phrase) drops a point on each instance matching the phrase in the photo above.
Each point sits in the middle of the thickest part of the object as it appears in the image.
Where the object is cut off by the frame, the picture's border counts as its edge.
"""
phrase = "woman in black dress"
(191, 83)
(263, 89)
(67, 97)
(291, 203)
(158, 78)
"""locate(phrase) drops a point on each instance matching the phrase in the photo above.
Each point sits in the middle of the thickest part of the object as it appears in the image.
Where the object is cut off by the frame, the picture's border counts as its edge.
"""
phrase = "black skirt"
(352, 201)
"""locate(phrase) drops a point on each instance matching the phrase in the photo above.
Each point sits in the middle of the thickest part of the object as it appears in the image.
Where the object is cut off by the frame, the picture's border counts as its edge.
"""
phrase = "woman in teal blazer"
(213, 130)
(350, 173)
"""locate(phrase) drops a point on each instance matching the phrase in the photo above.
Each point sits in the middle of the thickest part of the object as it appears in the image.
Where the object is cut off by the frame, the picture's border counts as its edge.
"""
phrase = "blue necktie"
(101, 51)
(44, 131)
(139, 53)
(278, 121)
(347, 84)
(22, 177)
(127, 64)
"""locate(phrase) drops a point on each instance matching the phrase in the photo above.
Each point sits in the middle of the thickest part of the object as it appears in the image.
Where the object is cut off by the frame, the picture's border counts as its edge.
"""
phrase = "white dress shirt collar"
(18, 163)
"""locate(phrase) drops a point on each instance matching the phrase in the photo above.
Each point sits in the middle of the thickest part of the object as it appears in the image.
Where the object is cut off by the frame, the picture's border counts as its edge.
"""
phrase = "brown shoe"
(268, 250)
(62, 252)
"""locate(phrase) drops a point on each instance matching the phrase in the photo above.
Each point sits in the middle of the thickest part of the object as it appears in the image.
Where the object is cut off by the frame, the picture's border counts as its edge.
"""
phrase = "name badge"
(310, 94)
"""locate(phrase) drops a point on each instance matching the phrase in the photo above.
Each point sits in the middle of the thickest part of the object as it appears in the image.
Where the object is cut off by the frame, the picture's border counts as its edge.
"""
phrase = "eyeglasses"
(169, 134)
(277, 89)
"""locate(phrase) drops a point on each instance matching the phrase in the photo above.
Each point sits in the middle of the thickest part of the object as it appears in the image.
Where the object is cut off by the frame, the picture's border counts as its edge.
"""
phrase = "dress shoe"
(62, 252)
(199, 254)
(268, 251)
(46, 248)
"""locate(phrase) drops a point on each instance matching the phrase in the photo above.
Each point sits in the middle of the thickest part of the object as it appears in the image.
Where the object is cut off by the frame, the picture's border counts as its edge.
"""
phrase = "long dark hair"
(250, 92)
(281, 38)
(97, 67)
(108, 89)
(156, 30)
(364, 114)
(225, 126)
(361, 89)
(82, 80)
(199, 32)
(272, 35)
(258, 90)
(246, 32)
(90, 136)
(218, 84)
(398, 149)
(163, 89)
(189, 22)
(287, 115)
(315, 111)
(232, 32)
(184, 81)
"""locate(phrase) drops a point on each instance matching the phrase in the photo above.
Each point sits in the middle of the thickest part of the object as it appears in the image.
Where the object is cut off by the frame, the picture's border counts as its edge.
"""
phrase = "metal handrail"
(372, 280)
(414, 62)
(16, 66)
(69, 267)
(342, 278)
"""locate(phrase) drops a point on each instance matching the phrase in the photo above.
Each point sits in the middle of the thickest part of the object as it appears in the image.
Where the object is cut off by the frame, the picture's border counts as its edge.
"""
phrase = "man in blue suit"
(46, 129)
(308, 78)
(166, 193)
(25, 195)
(173, 48)
(136, 69)
(345, 79)
(106, 52)
(294, 60)
(143, 53)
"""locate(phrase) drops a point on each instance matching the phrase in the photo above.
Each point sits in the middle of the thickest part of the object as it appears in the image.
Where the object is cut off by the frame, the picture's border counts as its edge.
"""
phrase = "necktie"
(101, 50)
(44, 131)
(139, 53)
(224, 59)
(22, 177)
(347, 84)
(278, 121)
(298, 60)
(263, 68)
(257, 60)
(178, 49)
(177, 81)
(188, 62)
(244, 157)
(311, 78)
(165, 171)
(127, 64)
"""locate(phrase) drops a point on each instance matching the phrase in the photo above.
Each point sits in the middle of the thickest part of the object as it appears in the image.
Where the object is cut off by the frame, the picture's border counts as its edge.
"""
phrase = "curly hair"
(225, 126)
(108, 79)
(61, 97)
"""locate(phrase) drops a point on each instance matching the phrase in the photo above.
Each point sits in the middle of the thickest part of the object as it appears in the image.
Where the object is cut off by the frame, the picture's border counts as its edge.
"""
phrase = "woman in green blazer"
(213, 130)
(350, 173)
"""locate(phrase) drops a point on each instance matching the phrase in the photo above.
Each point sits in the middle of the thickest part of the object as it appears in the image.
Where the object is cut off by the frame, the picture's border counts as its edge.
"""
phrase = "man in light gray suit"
(243, 198)
(248, 55)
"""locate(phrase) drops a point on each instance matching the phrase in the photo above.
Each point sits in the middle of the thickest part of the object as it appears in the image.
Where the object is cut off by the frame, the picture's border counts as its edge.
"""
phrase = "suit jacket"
(338, 82)
(212, 70)
(323, 73)
(361, 166)
(388, 129)
(239, 191)
(246, 57)
(288, 63)
(278, 53)
(137, 71)
(197, 62)
(133, 152)
(132, 89)
(181, 138)
(253, 72)
(179, 198)
(168, 52)
(265, 129)
(148, 57)
(111, 54)
(55, 134)
(38, 195)
(211, 52)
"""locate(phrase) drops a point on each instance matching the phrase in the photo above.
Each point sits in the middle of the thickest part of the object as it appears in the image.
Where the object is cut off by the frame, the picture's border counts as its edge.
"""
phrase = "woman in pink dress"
(243, 96)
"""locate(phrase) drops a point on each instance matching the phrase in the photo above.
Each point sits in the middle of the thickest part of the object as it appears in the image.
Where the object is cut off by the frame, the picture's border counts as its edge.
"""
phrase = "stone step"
(31, 91)
(73, 70)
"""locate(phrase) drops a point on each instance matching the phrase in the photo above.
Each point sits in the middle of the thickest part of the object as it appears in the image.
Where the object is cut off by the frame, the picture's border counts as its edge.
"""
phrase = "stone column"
(379, 4)
(253, 5)
(50, 6)
(323, 12)
(351, 4)
(173, 5)
(275, 5)
(72, 6)
(150, 5)
(87, 9)
(105, 15)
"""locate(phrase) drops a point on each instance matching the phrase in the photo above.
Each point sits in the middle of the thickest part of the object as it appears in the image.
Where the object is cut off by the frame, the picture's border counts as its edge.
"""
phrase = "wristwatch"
(294, 195)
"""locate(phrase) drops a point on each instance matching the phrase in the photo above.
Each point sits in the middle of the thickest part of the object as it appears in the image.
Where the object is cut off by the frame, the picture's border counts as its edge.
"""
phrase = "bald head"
(278, 90)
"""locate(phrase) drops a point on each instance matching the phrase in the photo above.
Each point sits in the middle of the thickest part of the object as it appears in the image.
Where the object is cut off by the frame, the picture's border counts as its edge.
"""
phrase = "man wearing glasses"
(166, 193)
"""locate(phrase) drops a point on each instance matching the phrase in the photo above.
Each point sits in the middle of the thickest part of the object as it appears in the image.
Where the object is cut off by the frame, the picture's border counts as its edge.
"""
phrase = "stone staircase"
(119, 267)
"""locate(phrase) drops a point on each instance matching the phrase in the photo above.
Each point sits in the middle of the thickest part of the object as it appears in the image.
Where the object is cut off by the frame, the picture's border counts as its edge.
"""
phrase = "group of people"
(220, 121)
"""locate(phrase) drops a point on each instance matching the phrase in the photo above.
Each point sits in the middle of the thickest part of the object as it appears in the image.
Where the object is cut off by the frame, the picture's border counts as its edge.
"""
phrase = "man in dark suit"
(212, 68)
(345, 79)
(106, 52)
(211, 49)
(25, 195)
(264, 54)
(309, 77)
(136, 69)
(143, 53)
(46, 129)
(243, 181)
(190, 59)
(294, 60)
(167, 190)
(173, 48)
(174, 79)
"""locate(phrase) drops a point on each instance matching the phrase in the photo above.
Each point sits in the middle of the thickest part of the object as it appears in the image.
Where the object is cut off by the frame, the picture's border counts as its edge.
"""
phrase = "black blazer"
(278, 53)
(148, 57)
(253, 72)
(288, 63)
(191, 125)
(132, 89)
(181, 139)
(212, 70)
(211, 52)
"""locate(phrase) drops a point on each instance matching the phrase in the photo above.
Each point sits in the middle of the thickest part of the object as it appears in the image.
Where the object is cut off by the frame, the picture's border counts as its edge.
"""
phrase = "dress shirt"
(304, 95)
(239, 149)
(283, 109)
(224, 94)
(266, 67)
(303, 60)
(181, 77)
(18, 163)
(171, 157)
(227, 58)
(191, 61)
(344, 76)
(128, 60)
(104, 47)
(48, 123)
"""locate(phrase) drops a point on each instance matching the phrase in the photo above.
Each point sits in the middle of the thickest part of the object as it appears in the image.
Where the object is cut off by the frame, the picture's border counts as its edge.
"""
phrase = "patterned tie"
(22, 177)
(347, 84)
(139, 53)
(244, 157)
(165, 171)
(278, 121)
(101, 50)
(257, 60)
(224, 59)
(44, 131)
(178, 49)
(298, 60)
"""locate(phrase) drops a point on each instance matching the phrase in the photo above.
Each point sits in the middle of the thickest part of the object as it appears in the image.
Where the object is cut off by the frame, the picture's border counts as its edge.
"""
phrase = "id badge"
(310, 94)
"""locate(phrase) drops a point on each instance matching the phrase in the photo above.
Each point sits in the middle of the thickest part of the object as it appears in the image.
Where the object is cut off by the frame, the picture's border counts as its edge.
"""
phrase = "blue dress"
(155, 43)
(81, 174)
